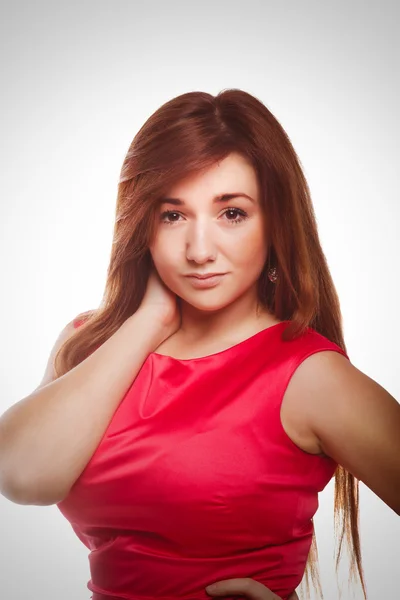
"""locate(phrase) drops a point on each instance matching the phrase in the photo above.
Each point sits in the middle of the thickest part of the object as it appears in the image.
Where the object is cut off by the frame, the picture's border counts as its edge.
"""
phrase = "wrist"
(147, 323)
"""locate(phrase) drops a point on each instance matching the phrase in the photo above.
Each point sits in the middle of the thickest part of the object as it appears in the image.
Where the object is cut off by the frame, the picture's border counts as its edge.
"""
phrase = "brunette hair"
(186, 135)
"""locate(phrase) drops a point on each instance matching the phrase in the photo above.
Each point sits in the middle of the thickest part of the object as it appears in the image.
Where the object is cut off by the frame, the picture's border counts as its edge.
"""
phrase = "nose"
(200, 245)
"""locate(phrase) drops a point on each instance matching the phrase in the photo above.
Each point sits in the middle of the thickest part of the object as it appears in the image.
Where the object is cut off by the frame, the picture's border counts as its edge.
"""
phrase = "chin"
(207, 306)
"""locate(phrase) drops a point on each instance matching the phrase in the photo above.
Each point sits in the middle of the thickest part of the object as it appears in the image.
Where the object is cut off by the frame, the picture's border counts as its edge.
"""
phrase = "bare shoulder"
(321, 367)
(355, 420)
(303, 393)
(67, 331)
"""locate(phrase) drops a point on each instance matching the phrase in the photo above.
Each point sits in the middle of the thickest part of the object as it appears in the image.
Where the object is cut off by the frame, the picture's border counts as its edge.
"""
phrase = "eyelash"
(242, 213)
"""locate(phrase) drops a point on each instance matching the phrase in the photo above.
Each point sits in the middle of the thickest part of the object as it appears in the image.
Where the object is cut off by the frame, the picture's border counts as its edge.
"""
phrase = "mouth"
(207, 276)
(205, 281)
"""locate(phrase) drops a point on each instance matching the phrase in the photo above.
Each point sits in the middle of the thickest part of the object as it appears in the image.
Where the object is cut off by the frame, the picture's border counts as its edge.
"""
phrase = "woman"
(210, 397)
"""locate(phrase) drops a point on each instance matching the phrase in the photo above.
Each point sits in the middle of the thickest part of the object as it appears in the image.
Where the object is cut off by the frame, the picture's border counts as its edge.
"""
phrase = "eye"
(168, 213)
(169, 217)
(236, 212)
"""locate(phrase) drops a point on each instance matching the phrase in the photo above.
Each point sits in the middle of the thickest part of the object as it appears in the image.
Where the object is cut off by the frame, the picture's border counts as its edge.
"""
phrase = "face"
(198, 233)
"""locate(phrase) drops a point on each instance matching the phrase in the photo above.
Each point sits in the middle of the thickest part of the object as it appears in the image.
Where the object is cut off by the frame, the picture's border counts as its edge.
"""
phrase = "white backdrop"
(78, 81)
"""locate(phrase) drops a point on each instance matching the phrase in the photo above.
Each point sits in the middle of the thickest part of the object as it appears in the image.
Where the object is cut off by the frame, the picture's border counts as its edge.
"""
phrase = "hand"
(162, 304)
(254, 590)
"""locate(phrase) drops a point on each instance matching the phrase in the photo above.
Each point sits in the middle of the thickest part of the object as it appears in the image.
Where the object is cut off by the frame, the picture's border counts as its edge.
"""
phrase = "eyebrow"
(219, 198)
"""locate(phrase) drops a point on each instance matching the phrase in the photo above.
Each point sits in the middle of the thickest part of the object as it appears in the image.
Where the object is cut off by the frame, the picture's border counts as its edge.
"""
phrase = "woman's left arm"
(356, 421)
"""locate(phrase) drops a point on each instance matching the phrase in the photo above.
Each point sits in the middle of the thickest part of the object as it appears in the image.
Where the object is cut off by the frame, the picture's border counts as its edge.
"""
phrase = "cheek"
(164, 257)
(250, 250)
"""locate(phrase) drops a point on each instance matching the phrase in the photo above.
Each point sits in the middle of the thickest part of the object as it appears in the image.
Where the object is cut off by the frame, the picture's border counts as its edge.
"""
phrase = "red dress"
(195, 480)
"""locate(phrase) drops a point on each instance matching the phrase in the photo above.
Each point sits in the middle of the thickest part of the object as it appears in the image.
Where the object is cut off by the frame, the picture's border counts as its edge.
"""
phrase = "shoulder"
(326, 371)
(355, 420)
(331, 387)
(62, 337)
(82, 318)
(69, 330)
(310, 377)
(312, 363)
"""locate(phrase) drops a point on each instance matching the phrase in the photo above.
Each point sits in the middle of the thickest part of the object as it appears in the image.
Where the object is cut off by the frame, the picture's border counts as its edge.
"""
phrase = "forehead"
(232, 174)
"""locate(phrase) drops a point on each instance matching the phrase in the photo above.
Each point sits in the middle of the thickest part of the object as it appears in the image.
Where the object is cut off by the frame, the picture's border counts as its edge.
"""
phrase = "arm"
(355, 419)
(47, 438)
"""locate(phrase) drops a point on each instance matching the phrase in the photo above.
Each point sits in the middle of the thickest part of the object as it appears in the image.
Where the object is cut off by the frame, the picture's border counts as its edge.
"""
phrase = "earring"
(272, 274)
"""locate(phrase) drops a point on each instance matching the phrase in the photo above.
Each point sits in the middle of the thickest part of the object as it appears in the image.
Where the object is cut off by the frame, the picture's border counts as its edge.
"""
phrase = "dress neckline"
(244, 342)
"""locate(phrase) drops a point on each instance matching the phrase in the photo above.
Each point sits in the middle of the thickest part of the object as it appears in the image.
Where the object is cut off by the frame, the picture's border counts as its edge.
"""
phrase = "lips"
(205, 282)
(206, 276)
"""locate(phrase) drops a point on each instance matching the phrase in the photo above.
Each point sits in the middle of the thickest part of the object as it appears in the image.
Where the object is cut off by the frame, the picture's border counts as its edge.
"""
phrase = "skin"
(200, 235)
(247, 587)
(203, 236)
(352, 418)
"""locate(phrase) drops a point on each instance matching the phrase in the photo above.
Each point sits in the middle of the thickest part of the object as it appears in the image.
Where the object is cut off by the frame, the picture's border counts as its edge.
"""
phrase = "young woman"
(188, 424)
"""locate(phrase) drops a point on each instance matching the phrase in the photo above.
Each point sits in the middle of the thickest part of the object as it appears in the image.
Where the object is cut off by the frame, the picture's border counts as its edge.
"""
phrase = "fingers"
(254, 590)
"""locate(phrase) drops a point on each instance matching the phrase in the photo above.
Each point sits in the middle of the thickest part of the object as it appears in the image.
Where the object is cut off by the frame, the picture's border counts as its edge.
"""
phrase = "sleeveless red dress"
(195, 480)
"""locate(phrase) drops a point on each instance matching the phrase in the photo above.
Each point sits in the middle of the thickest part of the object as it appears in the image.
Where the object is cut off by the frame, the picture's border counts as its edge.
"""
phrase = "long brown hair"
(186, 135)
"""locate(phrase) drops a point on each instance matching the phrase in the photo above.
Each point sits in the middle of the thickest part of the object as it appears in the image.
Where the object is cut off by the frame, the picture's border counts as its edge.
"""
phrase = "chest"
(292, 416)
(192, 457)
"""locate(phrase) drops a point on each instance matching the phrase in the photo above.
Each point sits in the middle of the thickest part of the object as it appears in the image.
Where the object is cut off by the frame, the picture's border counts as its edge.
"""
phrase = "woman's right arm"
(48, 437)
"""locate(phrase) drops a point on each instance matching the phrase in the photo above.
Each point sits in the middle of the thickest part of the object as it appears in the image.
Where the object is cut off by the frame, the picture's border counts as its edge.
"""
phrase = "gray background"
(78, 80)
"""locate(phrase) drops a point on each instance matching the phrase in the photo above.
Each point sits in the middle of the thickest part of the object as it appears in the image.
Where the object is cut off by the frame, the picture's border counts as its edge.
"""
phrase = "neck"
(238, 318)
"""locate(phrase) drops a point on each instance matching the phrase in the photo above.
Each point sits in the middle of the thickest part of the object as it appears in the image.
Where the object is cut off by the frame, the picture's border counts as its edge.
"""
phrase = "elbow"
(36, 495)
